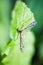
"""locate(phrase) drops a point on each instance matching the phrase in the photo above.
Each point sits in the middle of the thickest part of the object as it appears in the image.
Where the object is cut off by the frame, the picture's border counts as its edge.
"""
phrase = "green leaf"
(24, 15)
(16, 57)
(21, 17)
(14, 25)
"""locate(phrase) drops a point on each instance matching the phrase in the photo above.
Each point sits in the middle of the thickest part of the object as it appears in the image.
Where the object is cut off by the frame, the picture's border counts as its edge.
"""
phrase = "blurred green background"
(36, 6)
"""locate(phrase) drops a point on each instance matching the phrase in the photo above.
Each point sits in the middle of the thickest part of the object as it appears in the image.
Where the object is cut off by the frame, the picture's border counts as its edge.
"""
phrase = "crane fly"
(20, 32)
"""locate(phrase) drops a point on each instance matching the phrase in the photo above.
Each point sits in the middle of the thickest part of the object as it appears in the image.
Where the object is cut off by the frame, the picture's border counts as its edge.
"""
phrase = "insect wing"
(30, 26)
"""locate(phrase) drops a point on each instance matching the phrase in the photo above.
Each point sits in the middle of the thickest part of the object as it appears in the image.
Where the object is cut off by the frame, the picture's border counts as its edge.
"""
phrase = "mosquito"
(20, 32)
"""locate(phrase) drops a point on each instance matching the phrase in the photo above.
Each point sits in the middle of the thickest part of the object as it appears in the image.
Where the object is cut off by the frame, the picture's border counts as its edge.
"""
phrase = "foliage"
(21, 18)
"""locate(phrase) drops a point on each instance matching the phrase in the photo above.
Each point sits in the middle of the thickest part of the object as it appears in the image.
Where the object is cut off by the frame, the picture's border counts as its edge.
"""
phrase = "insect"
(20, 32)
